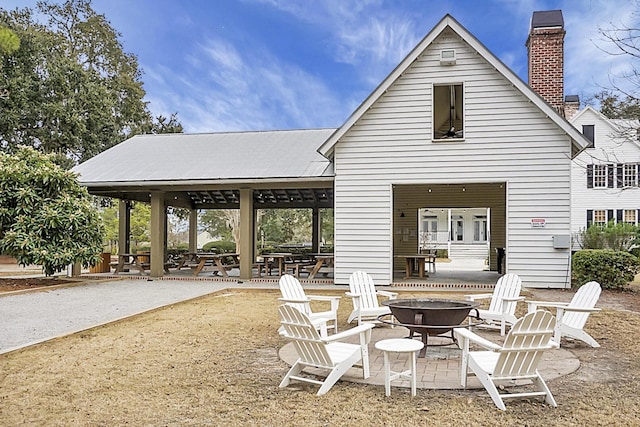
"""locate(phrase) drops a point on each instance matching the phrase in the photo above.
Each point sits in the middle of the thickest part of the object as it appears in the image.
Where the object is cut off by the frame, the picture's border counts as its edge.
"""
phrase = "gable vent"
(447, 56)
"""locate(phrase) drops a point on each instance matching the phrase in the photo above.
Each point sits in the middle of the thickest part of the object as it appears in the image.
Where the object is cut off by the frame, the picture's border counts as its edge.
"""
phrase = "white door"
(480, 229)
(457, 229)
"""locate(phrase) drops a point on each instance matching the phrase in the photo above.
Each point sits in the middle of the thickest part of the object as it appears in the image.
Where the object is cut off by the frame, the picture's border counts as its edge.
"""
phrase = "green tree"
(289, 226)
(162, 124)
(46, 217)
(109, 215)
(140, 223)
(618, 106)
(72, 90)
(9, 41)
(220, 223)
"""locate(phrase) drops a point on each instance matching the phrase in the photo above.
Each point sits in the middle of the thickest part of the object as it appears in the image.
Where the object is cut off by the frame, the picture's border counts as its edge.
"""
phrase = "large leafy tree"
(46, 217)
(71, 89)
(618, 106)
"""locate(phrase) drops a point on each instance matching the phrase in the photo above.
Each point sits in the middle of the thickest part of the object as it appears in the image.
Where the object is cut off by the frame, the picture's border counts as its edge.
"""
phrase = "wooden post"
(124, 226)
(158, 223)
(193, 230)
(245, 250)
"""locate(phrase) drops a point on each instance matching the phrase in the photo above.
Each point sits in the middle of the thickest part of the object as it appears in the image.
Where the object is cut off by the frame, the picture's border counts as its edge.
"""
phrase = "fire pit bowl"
(428, 316)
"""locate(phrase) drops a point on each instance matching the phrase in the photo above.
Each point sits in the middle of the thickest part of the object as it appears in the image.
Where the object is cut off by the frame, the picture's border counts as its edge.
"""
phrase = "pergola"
(236, 170)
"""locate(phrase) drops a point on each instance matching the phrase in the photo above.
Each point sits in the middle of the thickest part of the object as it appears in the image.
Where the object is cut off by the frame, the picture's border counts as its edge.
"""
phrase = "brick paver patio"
(440, 369)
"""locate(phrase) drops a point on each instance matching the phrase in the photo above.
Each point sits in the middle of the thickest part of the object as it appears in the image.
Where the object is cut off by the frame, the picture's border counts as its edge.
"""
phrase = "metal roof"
(184, 158)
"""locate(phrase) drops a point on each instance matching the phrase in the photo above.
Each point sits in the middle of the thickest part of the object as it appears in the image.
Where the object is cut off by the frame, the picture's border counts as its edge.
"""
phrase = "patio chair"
(327, 353)
(293, 294)
(502, 307)
(364, 295)
(572, 316)
(517, 359)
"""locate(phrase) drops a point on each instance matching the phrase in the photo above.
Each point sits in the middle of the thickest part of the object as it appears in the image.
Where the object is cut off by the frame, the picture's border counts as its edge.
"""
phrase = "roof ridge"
(235, 132)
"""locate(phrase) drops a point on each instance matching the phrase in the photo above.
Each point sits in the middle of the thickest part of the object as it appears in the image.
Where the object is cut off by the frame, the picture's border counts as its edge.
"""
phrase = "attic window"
(589, 132)
(448, 120)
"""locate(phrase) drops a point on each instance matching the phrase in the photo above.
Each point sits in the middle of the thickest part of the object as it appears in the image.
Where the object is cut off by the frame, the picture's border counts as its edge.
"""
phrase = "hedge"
(612, 269)
(220, 247)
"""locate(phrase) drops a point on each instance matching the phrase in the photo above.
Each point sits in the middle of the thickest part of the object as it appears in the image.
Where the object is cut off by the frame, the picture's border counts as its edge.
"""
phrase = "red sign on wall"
(538, 222)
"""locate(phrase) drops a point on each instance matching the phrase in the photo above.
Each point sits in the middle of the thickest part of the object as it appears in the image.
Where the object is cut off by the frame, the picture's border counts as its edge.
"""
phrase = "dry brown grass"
(213, 361)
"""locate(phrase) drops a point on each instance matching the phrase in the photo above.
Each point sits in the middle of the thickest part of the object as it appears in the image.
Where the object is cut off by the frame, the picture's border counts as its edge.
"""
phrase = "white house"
(451, 133)
(604, 177)
(453, 127)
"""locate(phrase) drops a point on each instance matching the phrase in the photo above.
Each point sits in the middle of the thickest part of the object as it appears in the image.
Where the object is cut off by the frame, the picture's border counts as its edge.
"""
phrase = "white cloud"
(228, 89)
(587, 66)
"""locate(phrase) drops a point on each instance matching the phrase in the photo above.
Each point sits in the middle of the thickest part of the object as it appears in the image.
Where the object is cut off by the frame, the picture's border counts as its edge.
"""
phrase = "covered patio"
(243, 170)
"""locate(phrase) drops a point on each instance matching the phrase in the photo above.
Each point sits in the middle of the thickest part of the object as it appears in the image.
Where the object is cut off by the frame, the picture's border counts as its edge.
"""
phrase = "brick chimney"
(571, 106)
(546, 57)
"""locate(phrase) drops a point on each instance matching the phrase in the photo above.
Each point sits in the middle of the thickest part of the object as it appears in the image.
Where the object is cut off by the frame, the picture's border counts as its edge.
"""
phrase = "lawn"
(213, 361)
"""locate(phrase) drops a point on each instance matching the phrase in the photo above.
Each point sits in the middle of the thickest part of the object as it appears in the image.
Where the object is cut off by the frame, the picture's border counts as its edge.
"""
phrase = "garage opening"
(464, 225)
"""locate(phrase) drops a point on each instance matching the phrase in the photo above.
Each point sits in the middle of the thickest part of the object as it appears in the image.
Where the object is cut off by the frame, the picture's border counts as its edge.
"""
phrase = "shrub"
(615, 236)
(46, 217)
(180, 249)
(220, 247)
(612, 269)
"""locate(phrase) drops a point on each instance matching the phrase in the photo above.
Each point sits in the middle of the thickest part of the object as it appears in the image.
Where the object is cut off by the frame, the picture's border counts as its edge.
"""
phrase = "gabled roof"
(618, 127)
(210, 157)
(578, 140)
(589, 109)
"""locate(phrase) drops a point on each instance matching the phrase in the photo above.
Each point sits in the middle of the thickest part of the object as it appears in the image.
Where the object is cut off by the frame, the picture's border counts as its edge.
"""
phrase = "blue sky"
(232, 65)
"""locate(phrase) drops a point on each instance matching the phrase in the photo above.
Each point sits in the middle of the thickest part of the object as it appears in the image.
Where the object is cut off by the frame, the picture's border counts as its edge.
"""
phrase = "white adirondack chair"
(572, 316)
(362, 291)
(517, 359)
(322, 352)
(293, 294)
(502, 307)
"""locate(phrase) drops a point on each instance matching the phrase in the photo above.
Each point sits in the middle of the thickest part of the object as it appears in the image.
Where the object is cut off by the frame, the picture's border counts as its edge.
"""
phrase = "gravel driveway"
(33, 317)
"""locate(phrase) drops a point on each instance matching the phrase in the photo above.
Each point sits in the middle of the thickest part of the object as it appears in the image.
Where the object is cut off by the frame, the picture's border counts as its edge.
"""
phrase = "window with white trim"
(600, 217)
(448, 110)
(630, 176)
(630, 216)
(599, 176)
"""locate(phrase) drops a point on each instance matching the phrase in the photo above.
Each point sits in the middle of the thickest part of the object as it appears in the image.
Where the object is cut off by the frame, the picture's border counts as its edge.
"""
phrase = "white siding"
(610, 147)
(507, 139)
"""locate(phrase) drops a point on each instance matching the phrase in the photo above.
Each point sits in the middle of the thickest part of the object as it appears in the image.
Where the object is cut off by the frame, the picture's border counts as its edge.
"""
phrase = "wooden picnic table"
(126, 261)
(283, 261)
(417, 262)
(278, 258)
(188, 259)
(219, 261)
(130, 260)
(321, 260)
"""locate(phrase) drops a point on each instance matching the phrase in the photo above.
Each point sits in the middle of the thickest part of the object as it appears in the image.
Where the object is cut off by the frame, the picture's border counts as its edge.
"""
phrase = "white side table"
(399, 345)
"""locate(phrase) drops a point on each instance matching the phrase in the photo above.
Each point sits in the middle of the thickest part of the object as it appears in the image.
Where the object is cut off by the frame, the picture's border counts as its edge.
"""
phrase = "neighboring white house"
(604, 177)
